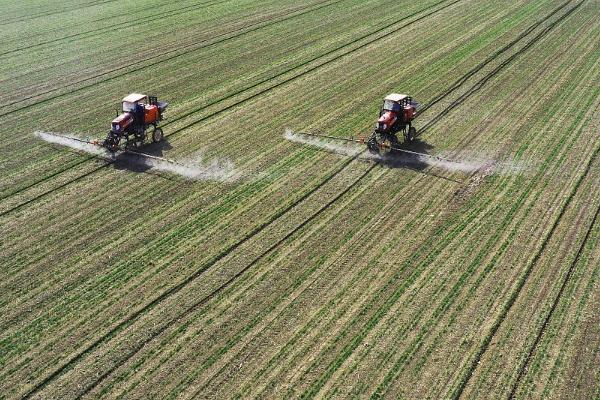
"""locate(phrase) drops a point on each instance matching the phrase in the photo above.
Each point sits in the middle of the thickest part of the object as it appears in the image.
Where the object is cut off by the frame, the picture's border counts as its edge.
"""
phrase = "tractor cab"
(396, 114)
(145, 109)
(397, 103)
(132, 102)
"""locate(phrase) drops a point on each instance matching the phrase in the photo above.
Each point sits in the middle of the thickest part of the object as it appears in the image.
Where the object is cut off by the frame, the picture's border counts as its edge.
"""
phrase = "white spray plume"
(476, 162)
(347, 149)
(447, 162)
(73, 142)
(454, 165)
(195, 168)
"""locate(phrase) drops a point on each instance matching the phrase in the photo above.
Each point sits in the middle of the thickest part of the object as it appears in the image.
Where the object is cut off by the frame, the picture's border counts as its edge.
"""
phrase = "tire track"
(540, 333)
(310, 69)
(187, 49)
(481, 83)
(130, 320)
(175, 289)
(62, 186)
(46, 178)
(120, 25)
(438, 98)
(394, 287)
(431, 123)
(219, 289)
(348, 350)
(80, 24)
(506, 309)
(170, 120)
(459, 82)
(213, 43)
(418, 345)
(341, 263)
(229, 282)
(408, 354)
(477, 86)
(215, 102)
(266, 373)
(31, 17)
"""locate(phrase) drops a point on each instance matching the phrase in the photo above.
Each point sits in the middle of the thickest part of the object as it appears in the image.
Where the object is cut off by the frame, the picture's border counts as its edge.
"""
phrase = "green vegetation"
(313, 274)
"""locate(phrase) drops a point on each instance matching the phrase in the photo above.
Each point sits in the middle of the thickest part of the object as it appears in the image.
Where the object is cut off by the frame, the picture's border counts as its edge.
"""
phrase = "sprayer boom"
(112, 155)
(391, 147)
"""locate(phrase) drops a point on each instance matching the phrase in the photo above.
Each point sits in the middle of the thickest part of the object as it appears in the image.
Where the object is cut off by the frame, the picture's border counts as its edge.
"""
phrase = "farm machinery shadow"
(405, 160)
(132, 162)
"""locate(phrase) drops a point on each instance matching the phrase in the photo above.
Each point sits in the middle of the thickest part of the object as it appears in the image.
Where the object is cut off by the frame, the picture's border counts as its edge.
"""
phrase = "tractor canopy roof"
(396, 97)
(134, 97)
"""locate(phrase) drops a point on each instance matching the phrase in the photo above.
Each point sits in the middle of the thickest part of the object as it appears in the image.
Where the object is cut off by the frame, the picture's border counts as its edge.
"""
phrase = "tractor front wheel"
(157, 135)
(412, 134)
(372, 144)
(112, 147)
(111, 143)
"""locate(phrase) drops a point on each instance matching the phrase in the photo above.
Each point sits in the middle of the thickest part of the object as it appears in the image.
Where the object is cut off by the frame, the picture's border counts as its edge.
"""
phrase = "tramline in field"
(262, 262)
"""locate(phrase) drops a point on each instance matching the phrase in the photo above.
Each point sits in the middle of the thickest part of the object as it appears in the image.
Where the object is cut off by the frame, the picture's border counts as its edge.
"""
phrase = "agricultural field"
(274, 264)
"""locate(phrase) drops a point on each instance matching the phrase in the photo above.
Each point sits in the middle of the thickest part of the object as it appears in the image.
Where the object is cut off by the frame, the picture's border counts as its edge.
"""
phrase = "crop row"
(268, 80)
(255, 286)
(530, 202)
(209, 36)
(227, 95)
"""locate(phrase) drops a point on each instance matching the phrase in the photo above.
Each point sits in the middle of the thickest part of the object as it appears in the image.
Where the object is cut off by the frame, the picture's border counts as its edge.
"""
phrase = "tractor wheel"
(112, 146)
(137, 141)
(157, 135)
(372, 144)
(412, 133)
(385, 143)
(111, 143)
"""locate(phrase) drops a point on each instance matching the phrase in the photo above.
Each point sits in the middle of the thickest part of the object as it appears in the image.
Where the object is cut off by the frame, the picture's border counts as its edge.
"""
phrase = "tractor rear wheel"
(157, 135)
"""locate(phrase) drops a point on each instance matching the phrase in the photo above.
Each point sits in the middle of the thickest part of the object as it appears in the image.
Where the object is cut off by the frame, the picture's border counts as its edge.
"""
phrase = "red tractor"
(396, 115)
(140, 112)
